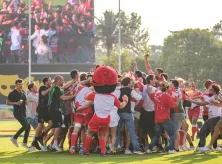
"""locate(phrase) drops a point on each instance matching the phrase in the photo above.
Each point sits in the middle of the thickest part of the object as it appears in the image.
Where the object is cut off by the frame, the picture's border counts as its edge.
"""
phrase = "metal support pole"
(30, 57)
(119, 41)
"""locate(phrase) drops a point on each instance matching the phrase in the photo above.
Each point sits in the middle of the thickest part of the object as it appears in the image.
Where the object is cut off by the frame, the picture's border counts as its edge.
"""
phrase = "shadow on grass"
(64, 157)
(194, 158)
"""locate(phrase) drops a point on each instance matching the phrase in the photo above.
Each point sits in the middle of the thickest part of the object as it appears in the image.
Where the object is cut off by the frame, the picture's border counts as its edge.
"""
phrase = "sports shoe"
(44, 148)
(138, 152)
(57, 148)
(81, 150)
(14, 141)
(32, 148)
(36, 145)
(50, 148)
(72, 150)
(172, 152)
(184, 148)
(218, 149)
(191, 148)
(128, 152)
(24, 145)
(206, 149)
(198, 150)
(103, 155)
(149, 151)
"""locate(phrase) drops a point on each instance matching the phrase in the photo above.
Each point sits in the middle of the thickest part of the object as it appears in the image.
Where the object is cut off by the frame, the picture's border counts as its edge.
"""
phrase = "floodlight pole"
(119, 40)
(29, 39)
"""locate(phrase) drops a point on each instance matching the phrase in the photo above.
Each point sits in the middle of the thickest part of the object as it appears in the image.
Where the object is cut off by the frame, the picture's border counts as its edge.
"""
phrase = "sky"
(162, 16)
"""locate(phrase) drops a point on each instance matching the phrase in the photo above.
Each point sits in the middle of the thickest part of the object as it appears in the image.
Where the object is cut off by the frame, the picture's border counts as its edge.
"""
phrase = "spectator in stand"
(44, 53)
(35, 37)
(15, 43)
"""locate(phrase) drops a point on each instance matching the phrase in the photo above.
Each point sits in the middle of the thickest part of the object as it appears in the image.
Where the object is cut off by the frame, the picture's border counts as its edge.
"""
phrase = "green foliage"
(127, 59)
(133, 36)
(192, 53)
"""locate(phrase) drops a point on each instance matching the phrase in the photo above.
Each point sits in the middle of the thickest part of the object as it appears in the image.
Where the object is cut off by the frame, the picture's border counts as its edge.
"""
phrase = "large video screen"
(62, 31)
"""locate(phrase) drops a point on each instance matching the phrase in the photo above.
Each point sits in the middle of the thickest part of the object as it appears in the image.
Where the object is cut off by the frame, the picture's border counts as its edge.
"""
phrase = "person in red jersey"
(194, 111)
(104, 81)
(81, 117)
(163, 103)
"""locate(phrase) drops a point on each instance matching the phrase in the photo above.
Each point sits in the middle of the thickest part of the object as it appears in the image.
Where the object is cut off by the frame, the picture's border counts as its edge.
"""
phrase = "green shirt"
(55, 102)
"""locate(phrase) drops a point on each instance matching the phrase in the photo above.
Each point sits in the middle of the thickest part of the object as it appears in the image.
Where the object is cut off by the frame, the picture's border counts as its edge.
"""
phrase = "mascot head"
(105, 80)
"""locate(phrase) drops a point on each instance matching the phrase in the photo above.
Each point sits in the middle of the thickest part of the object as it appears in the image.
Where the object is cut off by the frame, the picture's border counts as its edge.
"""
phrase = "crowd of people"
(58, 34)
(135, 112)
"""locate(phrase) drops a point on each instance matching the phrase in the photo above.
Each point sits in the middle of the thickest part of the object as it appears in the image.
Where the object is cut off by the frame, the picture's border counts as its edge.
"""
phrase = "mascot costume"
(104, 81)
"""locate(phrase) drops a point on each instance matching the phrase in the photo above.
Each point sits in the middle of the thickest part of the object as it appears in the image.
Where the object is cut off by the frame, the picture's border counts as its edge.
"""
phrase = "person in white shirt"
(215, 110)
(43, 51)
(148, 110)
(35, 37)
(15, 43)
(32, 103)
(114, 119)
(45, 30)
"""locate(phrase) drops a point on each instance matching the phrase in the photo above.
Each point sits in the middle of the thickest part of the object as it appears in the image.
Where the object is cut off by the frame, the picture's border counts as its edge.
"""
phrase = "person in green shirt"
(56, 107)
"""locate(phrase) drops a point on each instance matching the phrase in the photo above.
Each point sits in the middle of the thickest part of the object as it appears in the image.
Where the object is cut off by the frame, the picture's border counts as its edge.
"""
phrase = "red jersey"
(163, 103)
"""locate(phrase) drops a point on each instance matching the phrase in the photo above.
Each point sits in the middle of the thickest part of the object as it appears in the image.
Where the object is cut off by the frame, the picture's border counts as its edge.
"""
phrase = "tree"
(217, 30)
(133, 37)
(127, 60)
(192, 53)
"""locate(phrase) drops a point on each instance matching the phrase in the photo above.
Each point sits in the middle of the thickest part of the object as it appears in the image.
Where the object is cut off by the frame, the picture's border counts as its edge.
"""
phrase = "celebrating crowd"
(110, 113)
(58, 34)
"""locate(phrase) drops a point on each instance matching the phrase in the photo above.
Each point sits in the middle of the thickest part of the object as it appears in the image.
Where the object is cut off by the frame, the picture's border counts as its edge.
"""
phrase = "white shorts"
(114, 119)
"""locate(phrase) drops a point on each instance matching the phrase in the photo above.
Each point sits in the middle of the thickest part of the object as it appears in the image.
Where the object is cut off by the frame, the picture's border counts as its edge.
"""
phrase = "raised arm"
(148, 66)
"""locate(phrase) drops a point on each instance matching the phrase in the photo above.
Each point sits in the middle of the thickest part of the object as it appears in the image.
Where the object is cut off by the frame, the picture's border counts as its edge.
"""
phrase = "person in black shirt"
(43, 113)
(17, 98)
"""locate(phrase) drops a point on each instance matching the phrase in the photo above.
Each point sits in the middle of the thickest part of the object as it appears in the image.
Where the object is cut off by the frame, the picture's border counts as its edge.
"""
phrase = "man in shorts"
(81, 117)
(56, 107)
(194, 111)
(43, 114)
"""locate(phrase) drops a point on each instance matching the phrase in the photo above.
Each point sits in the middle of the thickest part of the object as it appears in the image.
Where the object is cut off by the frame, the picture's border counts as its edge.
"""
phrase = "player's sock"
(102, 144)
(194, 130)
(70, 135)
(73, 140)
(56, 142)
(88, 142)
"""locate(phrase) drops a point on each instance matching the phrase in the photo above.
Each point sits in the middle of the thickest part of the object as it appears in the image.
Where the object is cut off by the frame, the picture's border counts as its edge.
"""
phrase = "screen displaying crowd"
(59, 33)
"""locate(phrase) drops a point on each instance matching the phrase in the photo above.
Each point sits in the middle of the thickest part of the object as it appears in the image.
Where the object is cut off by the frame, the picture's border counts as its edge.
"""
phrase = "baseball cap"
(208, 83)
